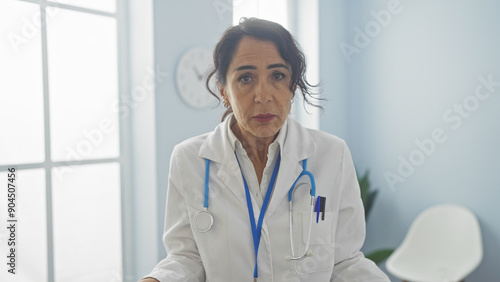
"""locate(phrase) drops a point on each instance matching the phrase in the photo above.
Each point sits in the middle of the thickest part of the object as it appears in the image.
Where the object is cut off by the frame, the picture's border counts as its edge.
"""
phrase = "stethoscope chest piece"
(203, 221)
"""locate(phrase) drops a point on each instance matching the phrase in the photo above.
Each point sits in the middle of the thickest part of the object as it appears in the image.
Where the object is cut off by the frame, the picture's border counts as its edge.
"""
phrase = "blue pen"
(317, 208)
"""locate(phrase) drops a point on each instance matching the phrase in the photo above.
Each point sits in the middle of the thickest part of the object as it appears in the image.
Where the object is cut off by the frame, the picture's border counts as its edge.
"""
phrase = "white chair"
(443, 244)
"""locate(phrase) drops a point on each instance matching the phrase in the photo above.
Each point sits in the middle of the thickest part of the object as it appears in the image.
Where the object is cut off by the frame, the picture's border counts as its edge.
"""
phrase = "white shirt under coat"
(247, 168)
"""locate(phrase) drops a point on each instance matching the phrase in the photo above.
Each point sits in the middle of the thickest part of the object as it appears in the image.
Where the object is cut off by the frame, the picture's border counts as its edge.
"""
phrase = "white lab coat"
(226, 252)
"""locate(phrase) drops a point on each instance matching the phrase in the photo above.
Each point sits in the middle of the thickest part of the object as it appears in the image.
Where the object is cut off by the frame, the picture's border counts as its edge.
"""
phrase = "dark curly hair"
(266, 31)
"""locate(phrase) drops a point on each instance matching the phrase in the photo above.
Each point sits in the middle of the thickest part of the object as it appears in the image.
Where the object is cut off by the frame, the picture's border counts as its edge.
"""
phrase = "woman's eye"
(245, 78)
(278, 76)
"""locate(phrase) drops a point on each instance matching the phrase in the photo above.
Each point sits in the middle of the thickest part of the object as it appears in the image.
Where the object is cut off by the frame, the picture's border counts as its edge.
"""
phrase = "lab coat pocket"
(321, 232)
(321, 244)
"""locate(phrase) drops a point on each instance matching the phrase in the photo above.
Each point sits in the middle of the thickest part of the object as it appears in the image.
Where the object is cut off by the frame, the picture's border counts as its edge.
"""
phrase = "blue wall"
(414, 77)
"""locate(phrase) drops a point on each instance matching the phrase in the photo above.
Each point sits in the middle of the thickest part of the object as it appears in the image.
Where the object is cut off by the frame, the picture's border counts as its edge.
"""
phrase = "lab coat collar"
(299, 145)
(279, 141)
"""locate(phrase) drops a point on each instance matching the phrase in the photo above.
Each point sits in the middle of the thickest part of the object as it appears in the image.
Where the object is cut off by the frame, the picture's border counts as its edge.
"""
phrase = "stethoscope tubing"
(205, 203)
(307, 173)
(207, 175)
(311, 178)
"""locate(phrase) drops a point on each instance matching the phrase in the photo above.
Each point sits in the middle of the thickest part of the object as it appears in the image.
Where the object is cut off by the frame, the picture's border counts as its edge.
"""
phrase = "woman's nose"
(263, 92)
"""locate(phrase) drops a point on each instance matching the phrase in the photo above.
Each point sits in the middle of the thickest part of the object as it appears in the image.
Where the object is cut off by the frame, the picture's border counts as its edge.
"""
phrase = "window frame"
(124, 158)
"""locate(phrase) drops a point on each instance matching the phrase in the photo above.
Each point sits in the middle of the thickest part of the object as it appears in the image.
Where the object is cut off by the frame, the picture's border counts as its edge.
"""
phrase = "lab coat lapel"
(229, 173)
(298, 146)
(217, 149)
(290, 169)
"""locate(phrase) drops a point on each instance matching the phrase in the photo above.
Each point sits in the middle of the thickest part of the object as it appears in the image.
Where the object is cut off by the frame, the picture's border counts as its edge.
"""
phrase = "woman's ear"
(221, 89)
(292, 91)
(222, 92)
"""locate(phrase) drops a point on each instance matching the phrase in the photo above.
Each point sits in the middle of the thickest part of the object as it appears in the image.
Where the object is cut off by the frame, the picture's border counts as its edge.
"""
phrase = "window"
(276, 11)
(60, 74)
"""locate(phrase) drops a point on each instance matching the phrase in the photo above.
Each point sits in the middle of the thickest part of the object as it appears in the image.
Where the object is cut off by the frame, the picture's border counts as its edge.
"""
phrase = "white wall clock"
(192, 69)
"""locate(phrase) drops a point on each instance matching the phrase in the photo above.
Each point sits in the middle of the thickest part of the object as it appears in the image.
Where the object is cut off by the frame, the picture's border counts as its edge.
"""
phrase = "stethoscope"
(203, 219)
(290, 203)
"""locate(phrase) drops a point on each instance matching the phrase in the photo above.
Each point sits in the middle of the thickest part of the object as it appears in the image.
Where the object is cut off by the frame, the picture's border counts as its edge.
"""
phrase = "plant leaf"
(379, 256)
(369, 202)
(364, 185)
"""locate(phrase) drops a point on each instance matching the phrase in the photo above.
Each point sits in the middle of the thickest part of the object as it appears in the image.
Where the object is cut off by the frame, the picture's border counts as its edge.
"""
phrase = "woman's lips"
(264, 117)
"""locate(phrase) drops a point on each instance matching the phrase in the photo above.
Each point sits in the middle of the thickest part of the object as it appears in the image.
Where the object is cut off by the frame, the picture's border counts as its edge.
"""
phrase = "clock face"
(192, 69)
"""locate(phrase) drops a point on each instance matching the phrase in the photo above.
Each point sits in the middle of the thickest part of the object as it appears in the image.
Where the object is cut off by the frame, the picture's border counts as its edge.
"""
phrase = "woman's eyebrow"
(245, 67)
(279, 65)
(271, 66)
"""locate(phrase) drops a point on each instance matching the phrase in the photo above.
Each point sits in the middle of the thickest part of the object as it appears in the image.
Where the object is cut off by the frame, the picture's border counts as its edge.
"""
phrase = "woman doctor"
(227, 213)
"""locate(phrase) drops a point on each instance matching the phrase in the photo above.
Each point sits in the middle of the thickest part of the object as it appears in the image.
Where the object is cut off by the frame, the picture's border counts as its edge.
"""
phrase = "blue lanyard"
(256, 230)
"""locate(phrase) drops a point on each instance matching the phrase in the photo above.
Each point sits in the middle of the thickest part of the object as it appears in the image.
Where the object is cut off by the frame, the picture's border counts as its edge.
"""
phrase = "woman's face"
(258, 88)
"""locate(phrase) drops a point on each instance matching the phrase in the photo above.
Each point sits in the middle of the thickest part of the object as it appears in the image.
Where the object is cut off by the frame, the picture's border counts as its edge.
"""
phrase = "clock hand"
(198, 74)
